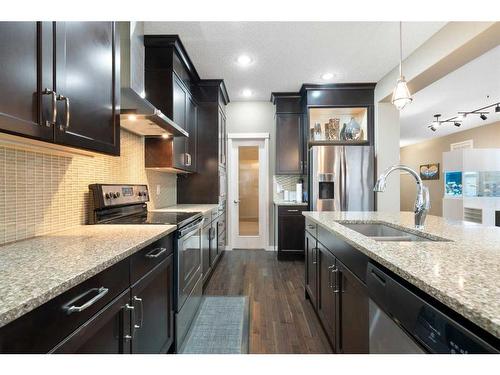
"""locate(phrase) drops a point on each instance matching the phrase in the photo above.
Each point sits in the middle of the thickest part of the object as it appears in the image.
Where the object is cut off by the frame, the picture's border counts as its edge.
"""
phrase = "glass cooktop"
(170, 218)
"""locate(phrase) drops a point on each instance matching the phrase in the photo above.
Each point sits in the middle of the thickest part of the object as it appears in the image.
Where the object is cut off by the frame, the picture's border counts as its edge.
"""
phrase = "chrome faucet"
(422, 202)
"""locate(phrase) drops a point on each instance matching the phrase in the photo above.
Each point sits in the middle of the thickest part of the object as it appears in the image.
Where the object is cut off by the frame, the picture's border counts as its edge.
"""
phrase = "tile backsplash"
(42, 193)
(287, 182)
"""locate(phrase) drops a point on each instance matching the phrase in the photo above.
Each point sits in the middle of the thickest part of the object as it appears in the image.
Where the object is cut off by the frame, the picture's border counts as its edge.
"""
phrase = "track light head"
(457, 124)
(497, 108)
(433, 127)
(483, 117)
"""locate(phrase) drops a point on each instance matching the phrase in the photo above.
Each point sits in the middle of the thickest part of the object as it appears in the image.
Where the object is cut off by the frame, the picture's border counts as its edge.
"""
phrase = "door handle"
(236, 201)
(66, 107)
(71, 308)
(53, 95)
(137, 299)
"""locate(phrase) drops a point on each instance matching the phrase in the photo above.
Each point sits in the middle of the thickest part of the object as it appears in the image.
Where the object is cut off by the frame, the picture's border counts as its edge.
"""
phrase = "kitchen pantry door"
(248, 200)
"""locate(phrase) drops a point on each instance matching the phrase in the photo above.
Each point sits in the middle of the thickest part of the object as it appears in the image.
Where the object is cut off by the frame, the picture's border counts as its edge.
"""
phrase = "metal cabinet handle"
(330, 282)
(137, 299)
(187, 159)
(71, 308)
(315, 260)
(336, 272)
(155, 253)
(53, 95)
(311, 226)
(132, 331)
(66, 106)
(293, 210)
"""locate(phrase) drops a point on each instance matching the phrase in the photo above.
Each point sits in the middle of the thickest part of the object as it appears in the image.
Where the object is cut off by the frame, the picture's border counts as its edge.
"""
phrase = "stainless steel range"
(126, 204)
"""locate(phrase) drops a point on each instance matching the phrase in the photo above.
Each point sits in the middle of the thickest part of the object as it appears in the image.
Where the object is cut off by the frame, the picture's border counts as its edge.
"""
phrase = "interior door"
(26, 64)
(105, 333)
(248, 193)
(328, 288)
(87, 68)
(152, 298)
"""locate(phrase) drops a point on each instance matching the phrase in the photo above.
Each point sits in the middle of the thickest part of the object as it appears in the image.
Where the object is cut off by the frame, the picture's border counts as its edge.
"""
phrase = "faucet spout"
(422, 201)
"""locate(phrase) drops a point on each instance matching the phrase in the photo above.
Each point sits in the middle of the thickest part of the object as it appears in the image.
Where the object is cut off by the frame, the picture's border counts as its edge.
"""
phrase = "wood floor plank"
(281, 319)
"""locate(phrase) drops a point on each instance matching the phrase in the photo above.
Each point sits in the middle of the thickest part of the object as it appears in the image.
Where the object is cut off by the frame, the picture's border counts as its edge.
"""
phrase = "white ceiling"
(464, 89)
(287, 54)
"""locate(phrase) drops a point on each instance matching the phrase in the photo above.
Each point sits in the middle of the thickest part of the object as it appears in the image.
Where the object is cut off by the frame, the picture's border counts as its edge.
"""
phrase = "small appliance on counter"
(126, 204)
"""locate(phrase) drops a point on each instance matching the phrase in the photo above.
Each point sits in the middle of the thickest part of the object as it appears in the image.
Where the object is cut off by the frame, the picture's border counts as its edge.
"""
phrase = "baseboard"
(270, 248)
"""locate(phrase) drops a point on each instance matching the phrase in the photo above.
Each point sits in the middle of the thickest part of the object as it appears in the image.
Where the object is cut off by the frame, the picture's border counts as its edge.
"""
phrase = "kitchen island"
(459, 264)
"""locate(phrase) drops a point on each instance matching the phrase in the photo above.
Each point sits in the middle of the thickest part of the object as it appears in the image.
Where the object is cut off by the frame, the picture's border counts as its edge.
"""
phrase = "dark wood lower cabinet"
(152, 299)
(354, 319)
(105, 333)
(328, 288)
(291, 224)
(311, 268)
(338, 296)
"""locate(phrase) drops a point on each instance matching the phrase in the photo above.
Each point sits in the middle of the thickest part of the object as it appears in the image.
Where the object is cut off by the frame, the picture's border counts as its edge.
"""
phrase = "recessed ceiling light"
(244, 60)
(247, 93)
(327, 76)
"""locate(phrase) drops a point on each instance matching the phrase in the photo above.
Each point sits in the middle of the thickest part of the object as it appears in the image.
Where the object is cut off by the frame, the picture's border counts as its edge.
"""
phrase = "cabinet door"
(311, 268)
(290, 235)
(353, 331)
(179, 117)
(152, 298)
(205, 250)
(87, 84)
(191, 122)
(289, 144)
(108, 332)
(26, 70)
(327, 290)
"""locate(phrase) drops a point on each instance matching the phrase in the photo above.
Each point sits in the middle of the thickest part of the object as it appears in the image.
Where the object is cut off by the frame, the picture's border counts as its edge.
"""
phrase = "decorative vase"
(353, 130)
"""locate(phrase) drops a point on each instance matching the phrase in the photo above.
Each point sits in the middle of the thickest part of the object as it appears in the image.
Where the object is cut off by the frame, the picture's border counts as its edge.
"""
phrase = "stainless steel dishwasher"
(402, 322)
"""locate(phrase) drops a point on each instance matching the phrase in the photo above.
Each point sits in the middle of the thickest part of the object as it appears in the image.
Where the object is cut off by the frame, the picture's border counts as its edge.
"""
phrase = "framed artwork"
(429, 171)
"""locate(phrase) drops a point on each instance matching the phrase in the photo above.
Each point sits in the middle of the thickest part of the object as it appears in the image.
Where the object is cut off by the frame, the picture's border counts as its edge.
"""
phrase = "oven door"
(189, 260)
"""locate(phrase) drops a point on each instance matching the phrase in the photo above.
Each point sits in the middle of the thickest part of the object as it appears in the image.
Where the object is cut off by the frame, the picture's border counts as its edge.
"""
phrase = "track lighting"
(497, 108)
(483, 117)
(462, 115)
(457, 124)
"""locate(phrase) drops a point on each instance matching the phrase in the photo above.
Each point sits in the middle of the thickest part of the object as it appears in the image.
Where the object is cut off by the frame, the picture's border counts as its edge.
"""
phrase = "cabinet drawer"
(43, 328)
(145, 260)
(291, 210)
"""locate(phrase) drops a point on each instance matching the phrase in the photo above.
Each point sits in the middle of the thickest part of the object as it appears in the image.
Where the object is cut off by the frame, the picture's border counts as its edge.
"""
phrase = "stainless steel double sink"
(384, 232)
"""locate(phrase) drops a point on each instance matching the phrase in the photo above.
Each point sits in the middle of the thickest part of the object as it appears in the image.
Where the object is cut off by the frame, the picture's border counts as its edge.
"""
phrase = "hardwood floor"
(281, 319)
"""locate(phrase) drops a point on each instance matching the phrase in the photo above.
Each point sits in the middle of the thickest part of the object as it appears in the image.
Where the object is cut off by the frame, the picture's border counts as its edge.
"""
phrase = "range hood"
(137, 114)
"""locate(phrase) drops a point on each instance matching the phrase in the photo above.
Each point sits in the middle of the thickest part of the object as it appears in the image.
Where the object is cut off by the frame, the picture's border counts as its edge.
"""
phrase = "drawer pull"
(71, 308)
(311, 226)
(133, 326)
(293, 210)
(137, 299)
(155, 253)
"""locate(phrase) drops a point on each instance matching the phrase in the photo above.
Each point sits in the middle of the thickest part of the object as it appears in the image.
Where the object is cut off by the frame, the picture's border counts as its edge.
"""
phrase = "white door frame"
(263, 182)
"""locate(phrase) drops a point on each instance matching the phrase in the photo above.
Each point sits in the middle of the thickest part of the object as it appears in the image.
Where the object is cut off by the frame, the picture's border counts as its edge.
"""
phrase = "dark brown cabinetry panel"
(205, 250)
(87, 67)
(152, 299)
(26, 70)
(289, 144)
(311, 268)
(191, 142)
(354, 320)
(105, 333)
(290, 232)
(328, 288)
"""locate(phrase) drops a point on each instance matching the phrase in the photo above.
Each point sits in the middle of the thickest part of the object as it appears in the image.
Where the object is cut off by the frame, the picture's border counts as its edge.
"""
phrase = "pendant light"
(401, 95)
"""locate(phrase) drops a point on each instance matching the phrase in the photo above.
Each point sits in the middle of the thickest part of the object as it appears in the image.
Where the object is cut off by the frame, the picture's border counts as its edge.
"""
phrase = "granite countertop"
(36, 270)
(463, 274)
(279, 202)
(203, 208)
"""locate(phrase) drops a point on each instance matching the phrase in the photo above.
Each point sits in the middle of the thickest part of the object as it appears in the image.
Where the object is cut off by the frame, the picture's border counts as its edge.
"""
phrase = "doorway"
(248, 202)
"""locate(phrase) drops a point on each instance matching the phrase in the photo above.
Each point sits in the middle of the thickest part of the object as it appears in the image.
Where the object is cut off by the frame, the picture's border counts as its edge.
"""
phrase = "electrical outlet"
(158, 189)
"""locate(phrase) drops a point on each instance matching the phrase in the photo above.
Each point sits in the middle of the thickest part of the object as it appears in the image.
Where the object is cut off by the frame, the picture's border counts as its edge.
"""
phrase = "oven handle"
(196, 225)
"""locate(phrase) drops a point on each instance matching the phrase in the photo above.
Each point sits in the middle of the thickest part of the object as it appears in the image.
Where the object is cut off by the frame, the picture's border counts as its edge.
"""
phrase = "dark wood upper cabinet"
(192, 125)
(289, 144)
(80, 83)
(87, 67)
(26, 70)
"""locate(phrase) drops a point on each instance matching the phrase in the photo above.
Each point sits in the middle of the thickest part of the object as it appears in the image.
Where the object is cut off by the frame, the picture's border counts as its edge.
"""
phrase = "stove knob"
(139, 194)
(107, 196)
(117, 194)
(145, 193)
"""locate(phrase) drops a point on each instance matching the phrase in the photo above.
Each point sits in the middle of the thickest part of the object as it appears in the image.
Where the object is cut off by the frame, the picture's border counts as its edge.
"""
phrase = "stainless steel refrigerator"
(341, 178)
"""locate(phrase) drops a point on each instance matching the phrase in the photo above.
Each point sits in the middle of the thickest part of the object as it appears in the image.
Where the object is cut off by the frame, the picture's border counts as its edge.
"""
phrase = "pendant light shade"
(401, 95)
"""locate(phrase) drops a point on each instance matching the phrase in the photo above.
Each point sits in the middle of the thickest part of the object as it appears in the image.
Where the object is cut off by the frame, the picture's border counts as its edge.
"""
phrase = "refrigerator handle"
(344, 196)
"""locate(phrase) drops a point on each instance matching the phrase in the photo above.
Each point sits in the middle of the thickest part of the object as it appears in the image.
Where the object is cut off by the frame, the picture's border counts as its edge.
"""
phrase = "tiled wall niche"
(42, 193)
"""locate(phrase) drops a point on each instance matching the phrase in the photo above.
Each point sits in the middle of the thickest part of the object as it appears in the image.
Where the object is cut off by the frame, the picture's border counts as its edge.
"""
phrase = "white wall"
(255, 117)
